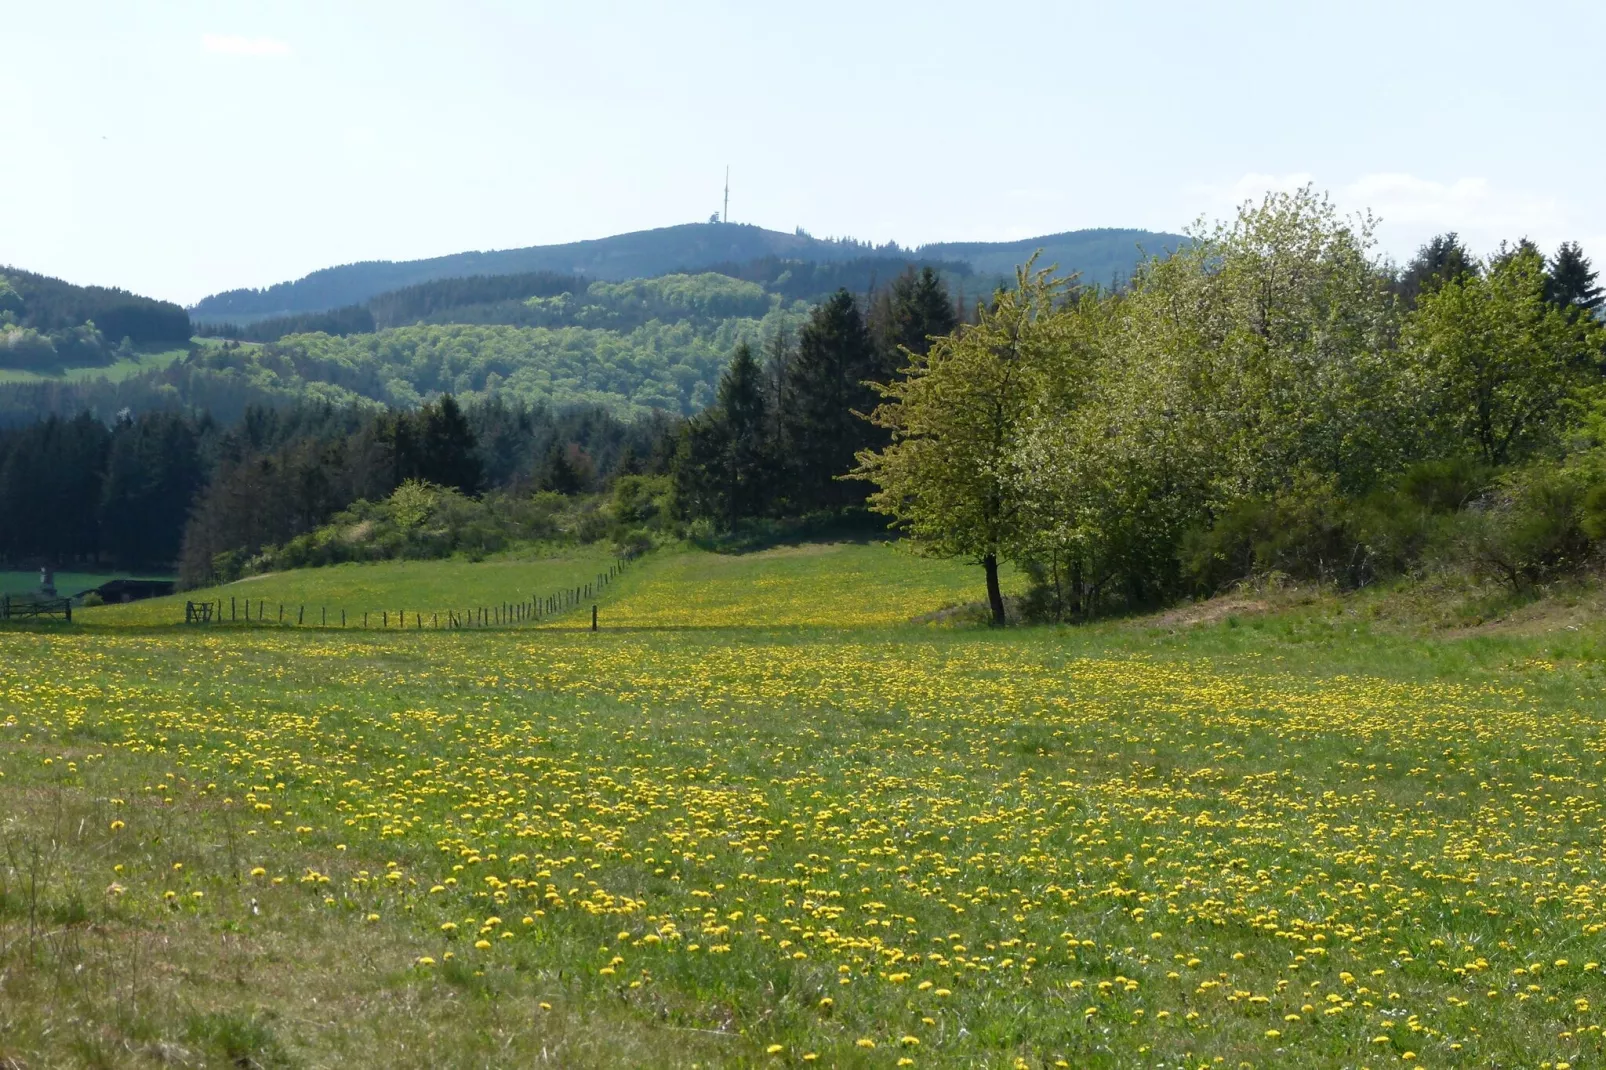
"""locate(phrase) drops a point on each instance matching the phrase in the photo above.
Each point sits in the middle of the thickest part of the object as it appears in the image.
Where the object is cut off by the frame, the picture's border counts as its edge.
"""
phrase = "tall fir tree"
(921, 310)
(1571, 282)
(448, 454)
(744, 411)
(824, 398)
(1442, 260)
(153, 473)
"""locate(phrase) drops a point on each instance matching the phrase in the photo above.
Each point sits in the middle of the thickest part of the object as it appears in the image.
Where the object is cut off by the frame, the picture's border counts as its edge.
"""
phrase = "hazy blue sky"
(182, 148)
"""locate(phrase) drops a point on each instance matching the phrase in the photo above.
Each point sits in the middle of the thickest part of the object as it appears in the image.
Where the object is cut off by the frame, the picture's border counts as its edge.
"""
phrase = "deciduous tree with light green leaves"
(1494, 360)
(956, 417)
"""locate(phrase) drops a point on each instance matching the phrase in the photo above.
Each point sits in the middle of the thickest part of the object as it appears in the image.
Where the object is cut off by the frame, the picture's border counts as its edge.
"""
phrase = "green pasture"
(146, 359)
(802, 835)
(824, 584)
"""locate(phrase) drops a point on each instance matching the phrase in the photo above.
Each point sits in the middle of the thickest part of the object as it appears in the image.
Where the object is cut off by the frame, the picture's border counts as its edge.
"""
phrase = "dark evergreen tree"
(448, 454)
(153, 473)
(1572, 280)
(823, 396)
(561, 474)
(920, 309)
(50, 491)
(744, 411)
(1439, 261)
(724, 468)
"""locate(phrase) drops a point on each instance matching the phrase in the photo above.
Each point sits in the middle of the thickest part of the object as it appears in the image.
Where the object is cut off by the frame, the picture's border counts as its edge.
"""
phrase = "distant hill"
(48, 326)
(691, 247)
(1097, 255)
(43, 303)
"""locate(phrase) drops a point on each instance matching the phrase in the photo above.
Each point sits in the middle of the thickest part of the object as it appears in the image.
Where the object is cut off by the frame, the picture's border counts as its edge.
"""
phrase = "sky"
(179, 149)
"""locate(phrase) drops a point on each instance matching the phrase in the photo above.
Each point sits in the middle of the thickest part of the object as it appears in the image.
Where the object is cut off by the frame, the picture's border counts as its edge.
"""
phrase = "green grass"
(1296, 839)
(384, 587)
(146, 359)
(825, 584)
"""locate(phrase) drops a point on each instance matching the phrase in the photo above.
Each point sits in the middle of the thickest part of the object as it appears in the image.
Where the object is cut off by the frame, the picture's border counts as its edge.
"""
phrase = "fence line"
(499, 615)
(30, 608)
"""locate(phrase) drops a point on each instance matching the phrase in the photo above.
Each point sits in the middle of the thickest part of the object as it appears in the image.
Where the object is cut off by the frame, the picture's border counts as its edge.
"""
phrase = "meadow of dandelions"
(884, 849)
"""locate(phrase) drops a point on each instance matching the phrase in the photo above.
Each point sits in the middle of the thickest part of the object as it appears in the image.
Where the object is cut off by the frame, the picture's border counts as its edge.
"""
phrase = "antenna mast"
(726, 215)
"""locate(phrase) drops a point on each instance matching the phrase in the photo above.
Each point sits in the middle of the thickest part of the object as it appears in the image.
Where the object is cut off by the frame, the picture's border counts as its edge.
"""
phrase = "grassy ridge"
(1288, 841)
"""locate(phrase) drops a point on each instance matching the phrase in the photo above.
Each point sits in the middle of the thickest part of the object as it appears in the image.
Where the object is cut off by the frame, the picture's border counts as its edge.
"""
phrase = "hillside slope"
(693, 246)
(48, 326)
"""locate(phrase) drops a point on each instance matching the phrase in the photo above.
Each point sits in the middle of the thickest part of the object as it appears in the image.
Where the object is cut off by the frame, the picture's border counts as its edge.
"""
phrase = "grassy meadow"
(374, 588)
(800, 838)
(145, 359)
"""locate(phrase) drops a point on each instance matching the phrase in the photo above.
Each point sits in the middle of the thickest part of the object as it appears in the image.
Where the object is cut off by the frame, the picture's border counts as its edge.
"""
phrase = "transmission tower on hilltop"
(725, 216)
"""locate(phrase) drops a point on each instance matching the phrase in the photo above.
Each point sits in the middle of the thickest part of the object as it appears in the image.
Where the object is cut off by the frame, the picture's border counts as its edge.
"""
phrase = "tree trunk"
(995, 597)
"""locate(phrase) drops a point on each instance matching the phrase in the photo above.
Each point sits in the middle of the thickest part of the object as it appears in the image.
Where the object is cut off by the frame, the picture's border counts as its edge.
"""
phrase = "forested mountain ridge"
(1097, 254)
(47, 324)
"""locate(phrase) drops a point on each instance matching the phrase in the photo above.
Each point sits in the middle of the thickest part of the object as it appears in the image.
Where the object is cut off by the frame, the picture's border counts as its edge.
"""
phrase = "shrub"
(1532, 527)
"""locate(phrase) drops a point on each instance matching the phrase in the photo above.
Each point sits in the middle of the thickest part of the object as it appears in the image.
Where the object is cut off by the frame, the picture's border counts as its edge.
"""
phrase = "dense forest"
(688, 249)
(263, 491)
(152, 491)
(630, 346)
(47, 324)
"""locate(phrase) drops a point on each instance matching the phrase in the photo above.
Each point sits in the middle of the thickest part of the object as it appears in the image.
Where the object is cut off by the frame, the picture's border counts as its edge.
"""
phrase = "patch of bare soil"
(1209, 612)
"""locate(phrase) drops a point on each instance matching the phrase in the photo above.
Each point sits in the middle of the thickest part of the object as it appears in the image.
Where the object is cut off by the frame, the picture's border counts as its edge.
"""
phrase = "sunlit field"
(1286, 843)
(834, 584)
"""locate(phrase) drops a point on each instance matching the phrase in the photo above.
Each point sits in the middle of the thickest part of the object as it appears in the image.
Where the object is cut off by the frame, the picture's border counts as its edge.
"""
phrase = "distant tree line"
(353, 319)
(261, 498)
(814, 280)
(159, 489)
(47, 304)
(569, 300)
(787, 423)
(397, 308)
(75, 490)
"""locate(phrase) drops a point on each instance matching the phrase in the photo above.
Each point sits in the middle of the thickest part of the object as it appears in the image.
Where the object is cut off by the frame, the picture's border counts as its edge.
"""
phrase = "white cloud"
(235, 45)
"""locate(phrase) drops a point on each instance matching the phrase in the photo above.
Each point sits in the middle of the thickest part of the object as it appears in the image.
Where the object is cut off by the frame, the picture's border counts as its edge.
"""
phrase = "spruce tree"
(1571, 280)
(1442, 260)
(153, 473)
(743, 410)
(448, 453)
(921, 310)
(824, 395)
